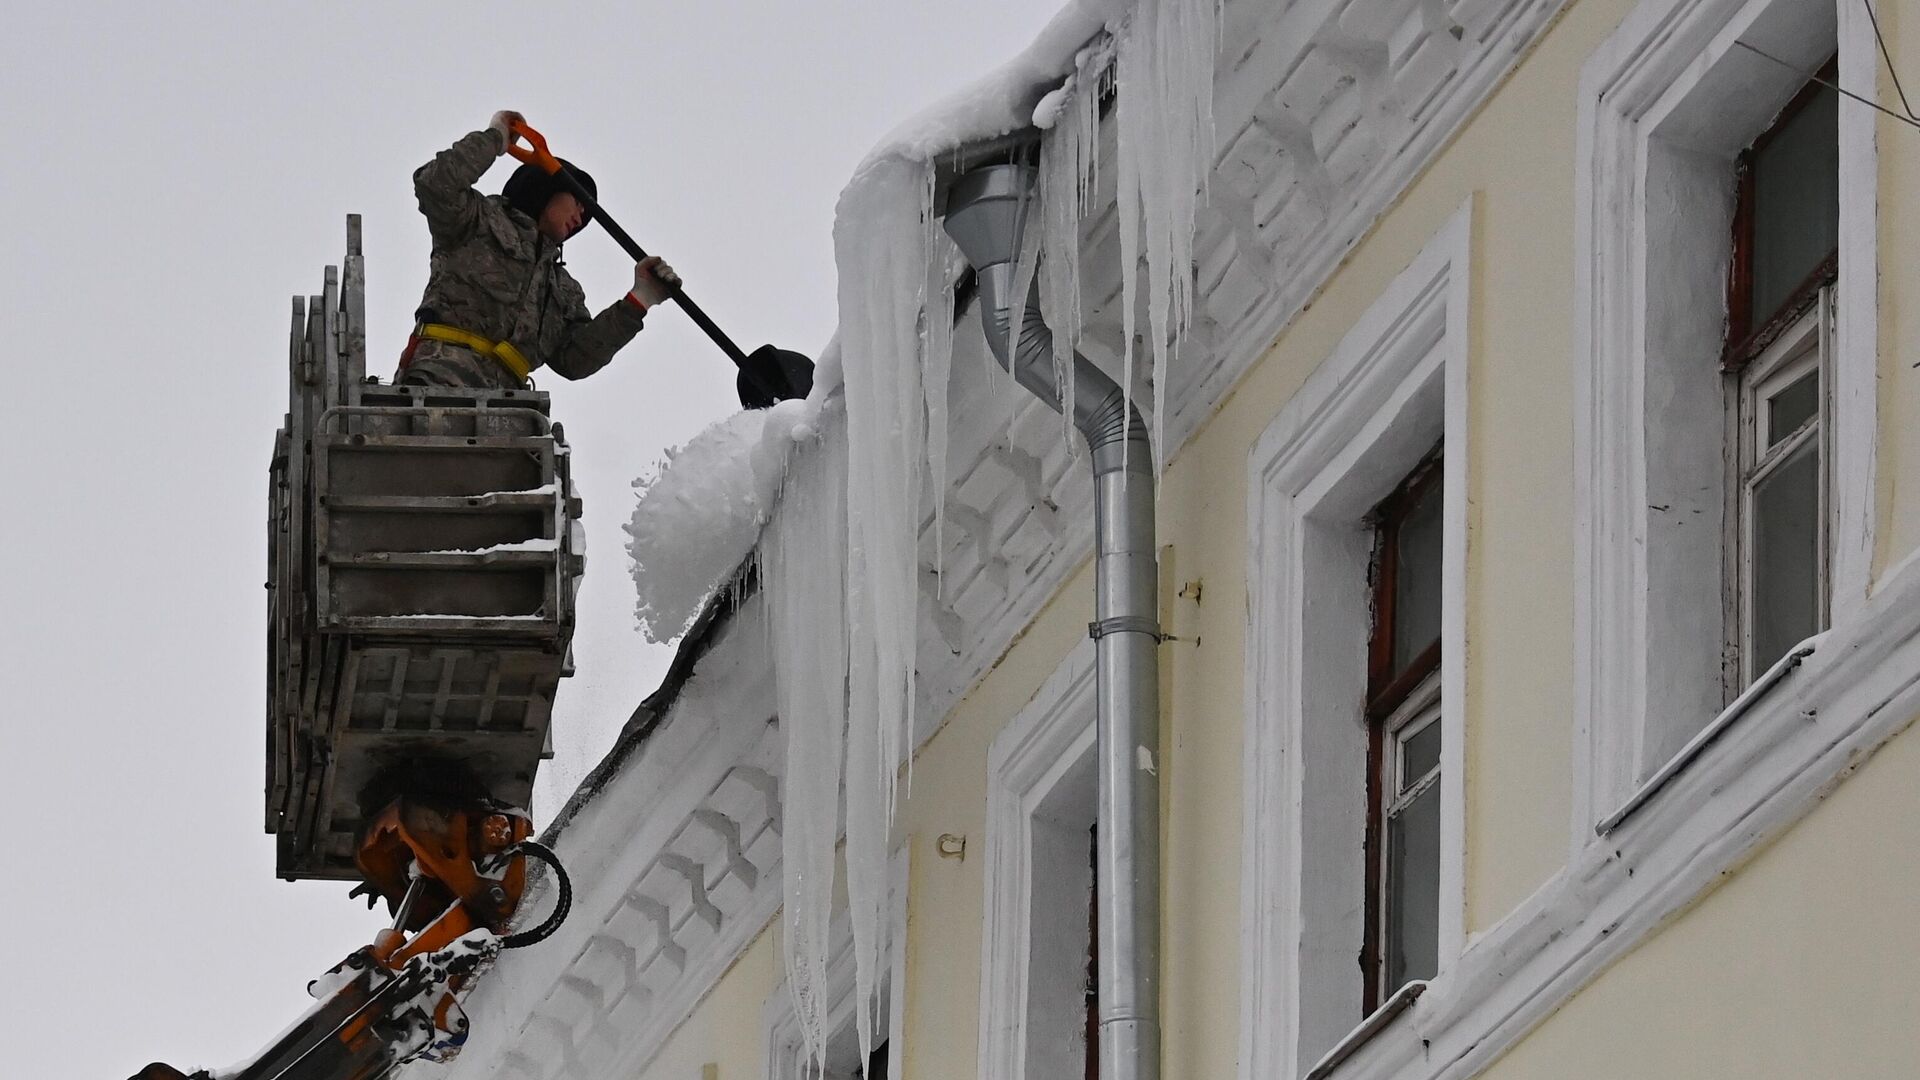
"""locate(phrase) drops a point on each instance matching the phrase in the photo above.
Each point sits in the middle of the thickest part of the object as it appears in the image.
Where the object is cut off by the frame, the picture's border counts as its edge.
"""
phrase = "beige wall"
(1822, 916)
(1800, 966)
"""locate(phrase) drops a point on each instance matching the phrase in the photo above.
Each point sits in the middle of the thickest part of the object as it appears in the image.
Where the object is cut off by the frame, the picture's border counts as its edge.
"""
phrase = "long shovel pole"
(537, 154)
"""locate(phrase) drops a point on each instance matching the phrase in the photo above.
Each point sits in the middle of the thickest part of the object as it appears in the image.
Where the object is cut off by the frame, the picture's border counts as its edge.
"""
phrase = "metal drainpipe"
(986, 211)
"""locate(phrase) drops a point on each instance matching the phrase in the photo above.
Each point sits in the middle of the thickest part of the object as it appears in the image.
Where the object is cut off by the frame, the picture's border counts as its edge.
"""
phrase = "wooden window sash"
(1803, 344)
(1386, 688)
(1384, 783)
(1387, 691)
(1745, 339)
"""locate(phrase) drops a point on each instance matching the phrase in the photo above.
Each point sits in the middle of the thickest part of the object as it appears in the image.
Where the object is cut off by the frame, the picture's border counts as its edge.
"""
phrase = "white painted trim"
(780, 1022)
(1856, 367)
(1664, 103)
(1367, 413)
(1028, 759)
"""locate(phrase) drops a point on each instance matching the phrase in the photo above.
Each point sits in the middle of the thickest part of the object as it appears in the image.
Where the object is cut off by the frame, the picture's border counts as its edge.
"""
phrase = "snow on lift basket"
(421, 572)
(767, 375)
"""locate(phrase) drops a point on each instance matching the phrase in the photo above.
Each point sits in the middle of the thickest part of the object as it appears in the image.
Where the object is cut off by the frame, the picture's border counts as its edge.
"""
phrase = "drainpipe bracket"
(1126, 624)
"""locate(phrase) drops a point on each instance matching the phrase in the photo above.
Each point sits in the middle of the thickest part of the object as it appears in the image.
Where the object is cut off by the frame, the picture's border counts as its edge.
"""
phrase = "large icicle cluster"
(839, 556)
(881, 244)
(1069, 174)
(1164, 105)
(803, 562)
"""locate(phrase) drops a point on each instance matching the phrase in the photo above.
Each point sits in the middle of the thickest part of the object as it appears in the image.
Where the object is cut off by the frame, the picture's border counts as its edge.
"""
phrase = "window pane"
(1786, 555)
(1416, 612)
(1791, 407)
(1796, 202)
(1413, 900)
(1419, 755)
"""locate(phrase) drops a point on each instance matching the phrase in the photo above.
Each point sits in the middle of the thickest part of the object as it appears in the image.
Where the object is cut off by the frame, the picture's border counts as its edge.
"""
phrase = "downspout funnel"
(987, 209)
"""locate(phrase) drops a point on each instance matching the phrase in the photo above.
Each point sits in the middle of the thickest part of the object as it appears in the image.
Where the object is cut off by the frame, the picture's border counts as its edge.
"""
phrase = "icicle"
(803, 562)
(937, 366)
(1165, 117)
(1069, 163)
(880, 245)
(1026, 264)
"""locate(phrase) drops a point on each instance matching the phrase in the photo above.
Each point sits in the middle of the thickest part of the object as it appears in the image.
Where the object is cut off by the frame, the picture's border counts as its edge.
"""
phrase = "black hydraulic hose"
(533, 849)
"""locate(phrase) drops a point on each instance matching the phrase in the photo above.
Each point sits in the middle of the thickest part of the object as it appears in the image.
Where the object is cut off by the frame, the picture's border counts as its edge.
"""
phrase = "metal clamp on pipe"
(1125, 624)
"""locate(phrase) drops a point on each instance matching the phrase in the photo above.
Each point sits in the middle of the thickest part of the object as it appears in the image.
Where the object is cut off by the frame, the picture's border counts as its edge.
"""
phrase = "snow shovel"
(767, 375)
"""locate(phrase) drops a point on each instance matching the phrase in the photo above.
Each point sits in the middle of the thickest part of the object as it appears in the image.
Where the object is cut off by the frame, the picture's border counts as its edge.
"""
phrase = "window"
(1403, 739)
(1039, 1012)
(1347, 891)
(1785, 257)
(1728, 226)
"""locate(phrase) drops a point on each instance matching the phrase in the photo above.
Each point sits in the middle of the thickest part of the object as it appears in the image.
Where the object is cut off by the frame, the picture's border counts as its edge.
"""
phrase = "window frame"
(1040, 804)
(1799, 347)
(1396, 699)
(1750, 333)
(1416, 710)
(1762, 348)
(1666, 105)
(1394, 386)
(1386, 688)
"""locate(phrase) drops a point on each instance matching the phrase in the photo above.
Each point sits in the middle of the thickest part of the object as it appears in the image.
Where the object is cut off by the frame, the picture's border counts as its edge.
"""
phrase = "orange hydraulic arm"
(453, 875)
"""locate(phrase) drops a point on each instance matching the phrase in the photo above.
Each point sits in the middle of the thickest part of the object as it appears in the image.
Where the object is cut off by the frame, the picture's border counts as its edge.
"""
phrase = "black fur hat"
(530, 188)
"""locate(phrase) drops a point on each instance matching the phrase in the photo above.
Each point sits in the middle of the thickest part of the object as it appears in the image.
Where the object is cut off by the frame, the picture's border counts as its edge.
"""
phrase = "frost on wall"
(833, 490)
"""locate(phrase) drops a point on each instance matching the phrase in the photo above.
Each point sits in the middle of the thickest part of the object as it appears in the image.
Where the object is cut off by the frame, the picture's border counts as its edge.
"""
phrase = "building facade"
(1535, 544)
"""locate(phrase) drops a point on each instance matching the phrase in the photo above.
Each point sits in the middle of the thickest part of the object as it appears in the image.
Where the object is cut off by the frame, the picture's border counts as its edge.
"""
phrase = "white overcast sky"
(175, 172)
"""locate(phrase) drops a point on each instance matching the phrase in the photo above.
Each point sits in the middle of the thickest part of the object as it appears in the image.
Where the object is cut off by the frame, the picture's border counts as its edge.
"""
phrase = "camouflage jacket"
(493, 274)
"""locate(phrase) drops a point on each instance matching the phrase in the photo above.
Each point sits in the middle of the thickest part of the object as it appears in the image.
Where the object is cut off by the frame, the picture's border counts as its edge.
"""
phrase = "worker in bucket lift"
(499, 302)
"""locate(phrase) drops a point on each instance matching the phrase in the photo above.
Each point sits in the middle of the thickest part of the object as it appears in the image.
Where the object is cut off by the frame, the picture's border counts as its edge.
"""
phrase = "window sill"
(1708, 735)
(1376, 1021)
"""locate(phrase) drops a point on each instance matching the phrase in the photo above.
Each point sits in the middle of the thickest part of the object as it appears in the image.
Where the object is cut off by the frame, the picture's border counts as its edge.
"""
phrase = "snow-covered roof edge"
(702, 511)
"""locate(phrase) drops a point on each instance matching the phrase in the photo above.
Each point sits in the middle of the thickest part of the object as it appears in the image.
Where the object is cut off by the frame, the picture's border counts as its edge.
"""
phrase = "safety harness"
(510, 358)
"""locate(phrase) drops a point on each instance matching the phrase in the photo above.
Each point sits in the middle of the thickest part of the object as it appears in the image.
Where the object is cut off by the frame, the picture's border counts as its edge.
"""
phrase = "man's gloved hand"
(502, 124)
(653, 282)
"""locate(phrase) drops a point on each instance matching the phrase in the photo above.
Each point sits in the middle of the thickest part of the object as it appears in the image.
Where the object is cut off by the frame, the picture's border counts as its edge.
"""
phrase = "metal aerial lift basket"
(422, 555)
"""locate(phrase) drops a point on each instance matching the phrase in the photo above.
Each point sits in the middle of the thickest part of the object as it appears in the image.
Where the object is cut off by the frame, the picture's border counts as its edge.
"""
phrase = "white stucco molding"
(1859, 689)
(1395, 385)
(1031, 987)
(1665, 105)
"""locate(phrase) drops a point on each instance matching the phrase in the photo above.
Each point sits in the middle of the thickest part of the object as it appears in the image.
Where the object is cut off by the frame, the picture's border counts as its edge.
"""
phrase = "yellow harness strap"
(502, 351)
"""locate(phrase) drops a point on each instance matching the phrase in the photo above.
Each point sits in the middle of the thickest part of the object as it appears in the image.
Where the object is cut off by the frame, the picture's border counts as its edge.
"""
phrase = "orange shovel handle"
(536, 152)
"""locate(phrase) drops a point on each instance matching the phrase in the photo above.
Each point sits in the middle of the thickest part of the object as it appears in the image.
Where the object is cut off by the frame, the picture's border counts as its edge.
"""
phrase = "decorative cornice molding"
(676, 864)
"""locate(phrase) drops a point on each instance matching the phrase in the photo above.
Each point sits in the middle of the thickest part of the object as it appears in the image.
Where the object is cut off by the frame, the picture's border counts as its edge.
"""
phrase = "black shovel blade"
(770, 375)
